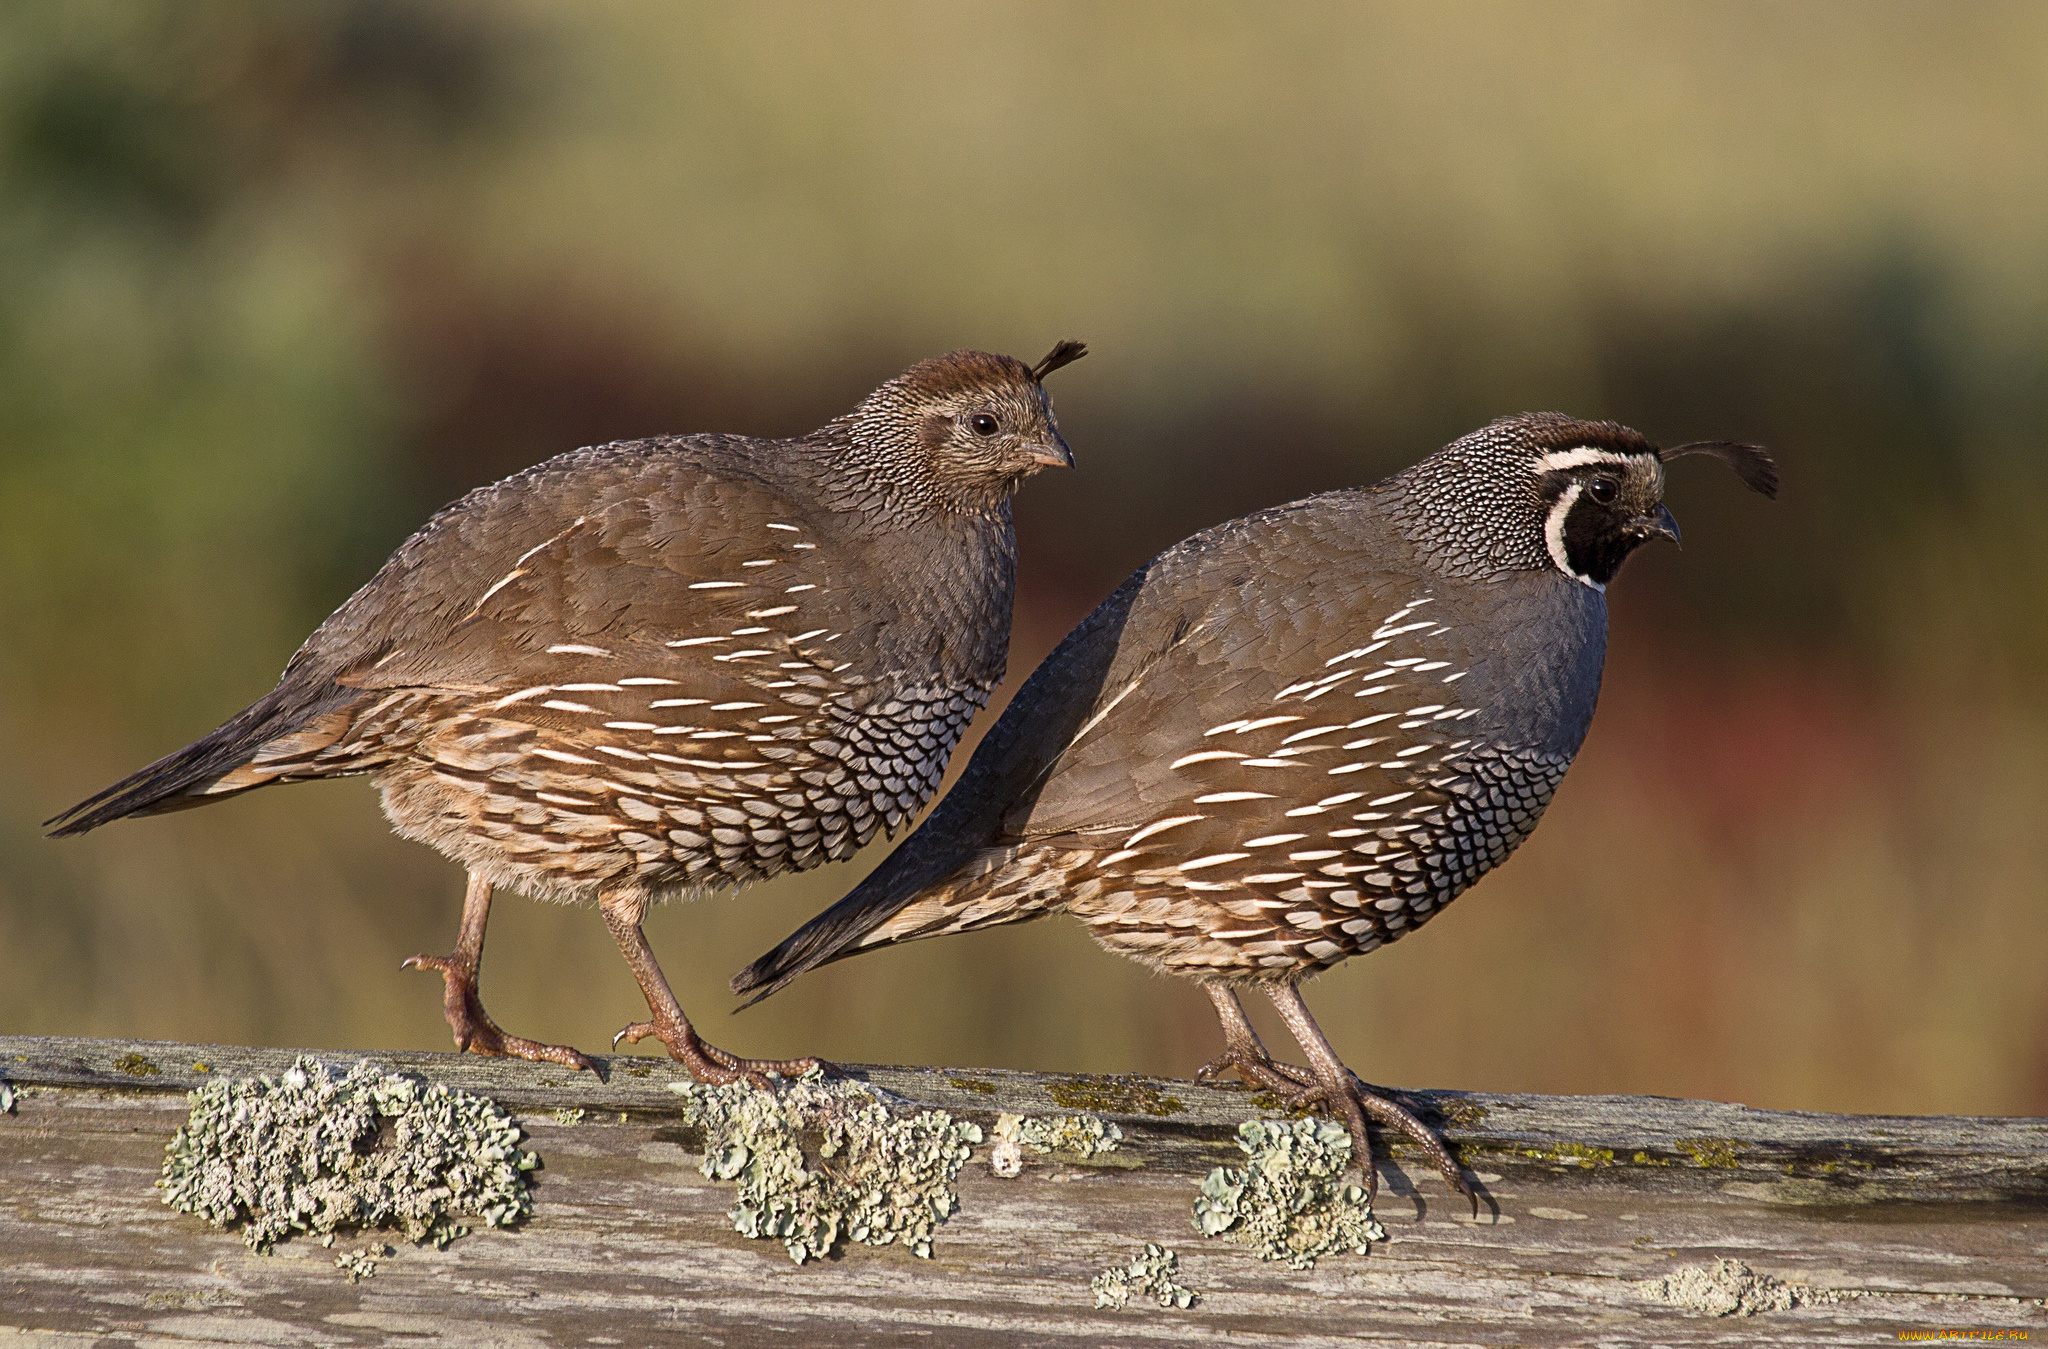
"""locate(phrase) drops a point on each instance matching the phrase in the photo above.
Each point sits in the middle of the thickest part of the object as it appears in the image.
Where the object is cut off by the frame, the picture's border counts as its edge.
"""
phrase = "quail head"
(659, 667)
(1295, 737)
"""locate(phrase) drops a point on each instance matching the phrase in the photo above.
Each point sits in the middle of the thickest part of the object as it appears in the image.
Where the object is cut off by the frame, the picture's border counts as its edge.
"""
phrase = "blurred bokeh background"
(276, 281)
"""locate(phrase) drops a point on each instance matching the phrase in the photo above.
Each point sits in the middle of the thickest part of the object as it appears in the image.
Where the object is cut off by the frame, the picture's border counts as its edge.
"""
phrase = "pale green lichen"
(569, 1114)
(1288, 1202)
(1151, 1272)
(1731, 1288)
(306, 1152)
(1083, 1135)
(1080, 1136)
(872, 1177)
(361, 1264)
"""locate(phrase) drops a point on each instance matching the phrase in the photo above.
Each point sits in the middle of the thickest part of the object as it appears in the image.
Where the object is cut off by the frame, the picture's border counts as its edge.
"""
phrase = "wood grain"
(1915, 1223)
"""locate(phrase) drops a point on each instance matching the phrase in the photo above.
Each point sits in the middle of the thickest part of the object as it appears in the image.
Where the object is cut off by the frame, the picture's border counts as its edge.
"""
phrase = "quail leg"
(473, 1027)
(1339, 1088)
(706, 1062)
(1245, 1052)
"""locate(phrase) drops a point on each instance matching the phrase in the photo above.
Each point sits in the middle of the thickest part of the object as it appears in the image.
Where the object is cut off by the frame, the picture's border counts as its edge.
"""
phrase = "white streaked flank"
(562, 756)
(1184, 760)
(1160, 827)
(1268, 840)
(1212, 860)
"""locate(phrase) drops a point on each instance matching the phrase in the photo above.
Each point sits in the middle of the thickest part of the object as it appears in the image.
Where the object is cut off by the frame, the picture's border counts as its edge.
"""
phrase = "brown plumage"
(658, 667)
(1294, 737)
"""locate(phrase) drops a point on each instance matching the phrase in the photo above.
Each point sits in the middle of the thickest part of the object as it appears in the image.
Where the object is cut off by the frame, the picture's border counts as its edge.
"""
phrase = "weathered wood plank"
(1917, 1223)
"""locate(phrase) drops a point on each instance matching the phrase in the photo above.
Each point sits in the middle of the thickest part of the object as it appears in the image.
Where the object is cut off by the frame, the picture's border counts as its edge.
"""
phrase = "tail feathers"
(272, 740)
(890, 907)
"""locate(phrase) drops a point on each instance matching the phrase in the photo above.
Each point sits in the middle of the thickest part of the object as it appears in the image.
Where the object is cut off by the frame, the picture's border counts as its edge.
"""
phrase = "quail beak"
(1661, 524)
(1055, 455)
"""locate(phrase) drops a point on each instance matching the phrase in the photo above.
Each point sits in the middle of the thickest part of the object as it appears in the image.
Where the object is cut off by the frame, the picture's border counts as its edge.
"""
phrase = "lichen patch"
(1454, 1111)
(1581, 1155)
(1712, 1152)
(135, 1065)
(306, 1152)
(1152, 1273)
(361, 1264)
(1731, 1288)
(1288, 1201)
(1114, 1093)
(868, 1174)
(1080, 1137)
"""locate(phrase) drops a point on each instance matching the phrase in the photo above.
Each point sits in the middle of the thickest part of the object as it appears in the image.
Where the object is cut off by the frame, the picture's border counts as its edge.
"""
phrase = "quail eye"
(983, 424)
(1603, 490)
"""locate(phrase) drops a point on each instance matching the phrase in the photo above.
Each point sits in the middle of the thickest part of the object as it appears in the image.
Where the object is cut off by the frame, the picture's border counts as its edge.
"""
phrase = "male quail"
(1296, 736)
(660, 667)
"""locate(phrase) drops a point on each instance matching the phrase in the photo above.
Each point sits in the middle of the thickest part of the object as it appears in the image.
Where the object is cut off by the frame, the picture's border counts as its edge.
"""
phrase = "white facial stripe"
(1582, 456)
(1553, 535)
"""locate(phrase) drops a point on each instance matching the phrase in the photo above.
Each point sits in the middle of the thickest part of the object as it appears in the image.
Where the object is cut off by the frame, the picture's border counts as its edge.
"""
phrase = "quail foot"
(1295, 737)
(661, 667)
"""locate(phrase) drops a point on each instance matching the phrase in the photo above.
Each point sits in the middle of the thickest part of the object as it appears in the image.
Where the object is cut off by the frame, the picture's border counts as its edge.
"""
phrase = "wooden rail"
(1604, 1221)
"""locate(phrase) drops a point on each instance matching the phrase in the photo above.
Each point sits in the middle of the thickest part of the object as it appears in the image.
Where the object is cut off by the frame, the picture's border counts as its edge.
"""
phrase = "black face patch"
(1598, 538)
(1600, 507)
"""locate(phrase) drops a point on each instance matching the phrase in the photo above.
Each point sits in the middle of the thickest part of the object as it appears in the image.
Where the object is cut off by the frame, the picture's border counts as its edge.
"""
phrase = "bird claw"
(473, 1028)
(1359, 1101)
(1260, 1069)
(634, 1033)
(1299, 1089)
(708, 1063)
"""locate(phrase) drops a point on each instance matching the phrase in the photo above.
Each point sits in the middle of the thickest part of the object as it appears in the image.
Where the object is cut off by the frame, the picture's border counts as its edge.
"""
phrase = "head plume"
(1752, 463)
(1065, 353)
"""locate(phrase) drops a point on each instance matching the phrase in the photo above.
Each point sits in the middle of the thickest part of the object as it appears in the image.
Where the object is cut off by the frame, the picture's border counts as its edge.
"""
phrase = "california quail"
(1296, 736)
(660, 667)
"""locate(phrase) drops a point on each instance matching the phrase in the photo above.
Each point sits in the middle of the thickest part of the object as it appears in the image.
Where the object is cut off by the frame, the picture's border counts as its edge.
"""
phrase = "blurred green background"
(276, 281)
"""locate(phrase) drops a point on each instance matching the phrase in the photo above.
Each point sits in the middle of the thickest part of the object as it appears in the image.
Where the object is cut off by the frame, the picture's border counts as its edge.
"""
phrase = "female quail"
(659, 667)
(1295, 737)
